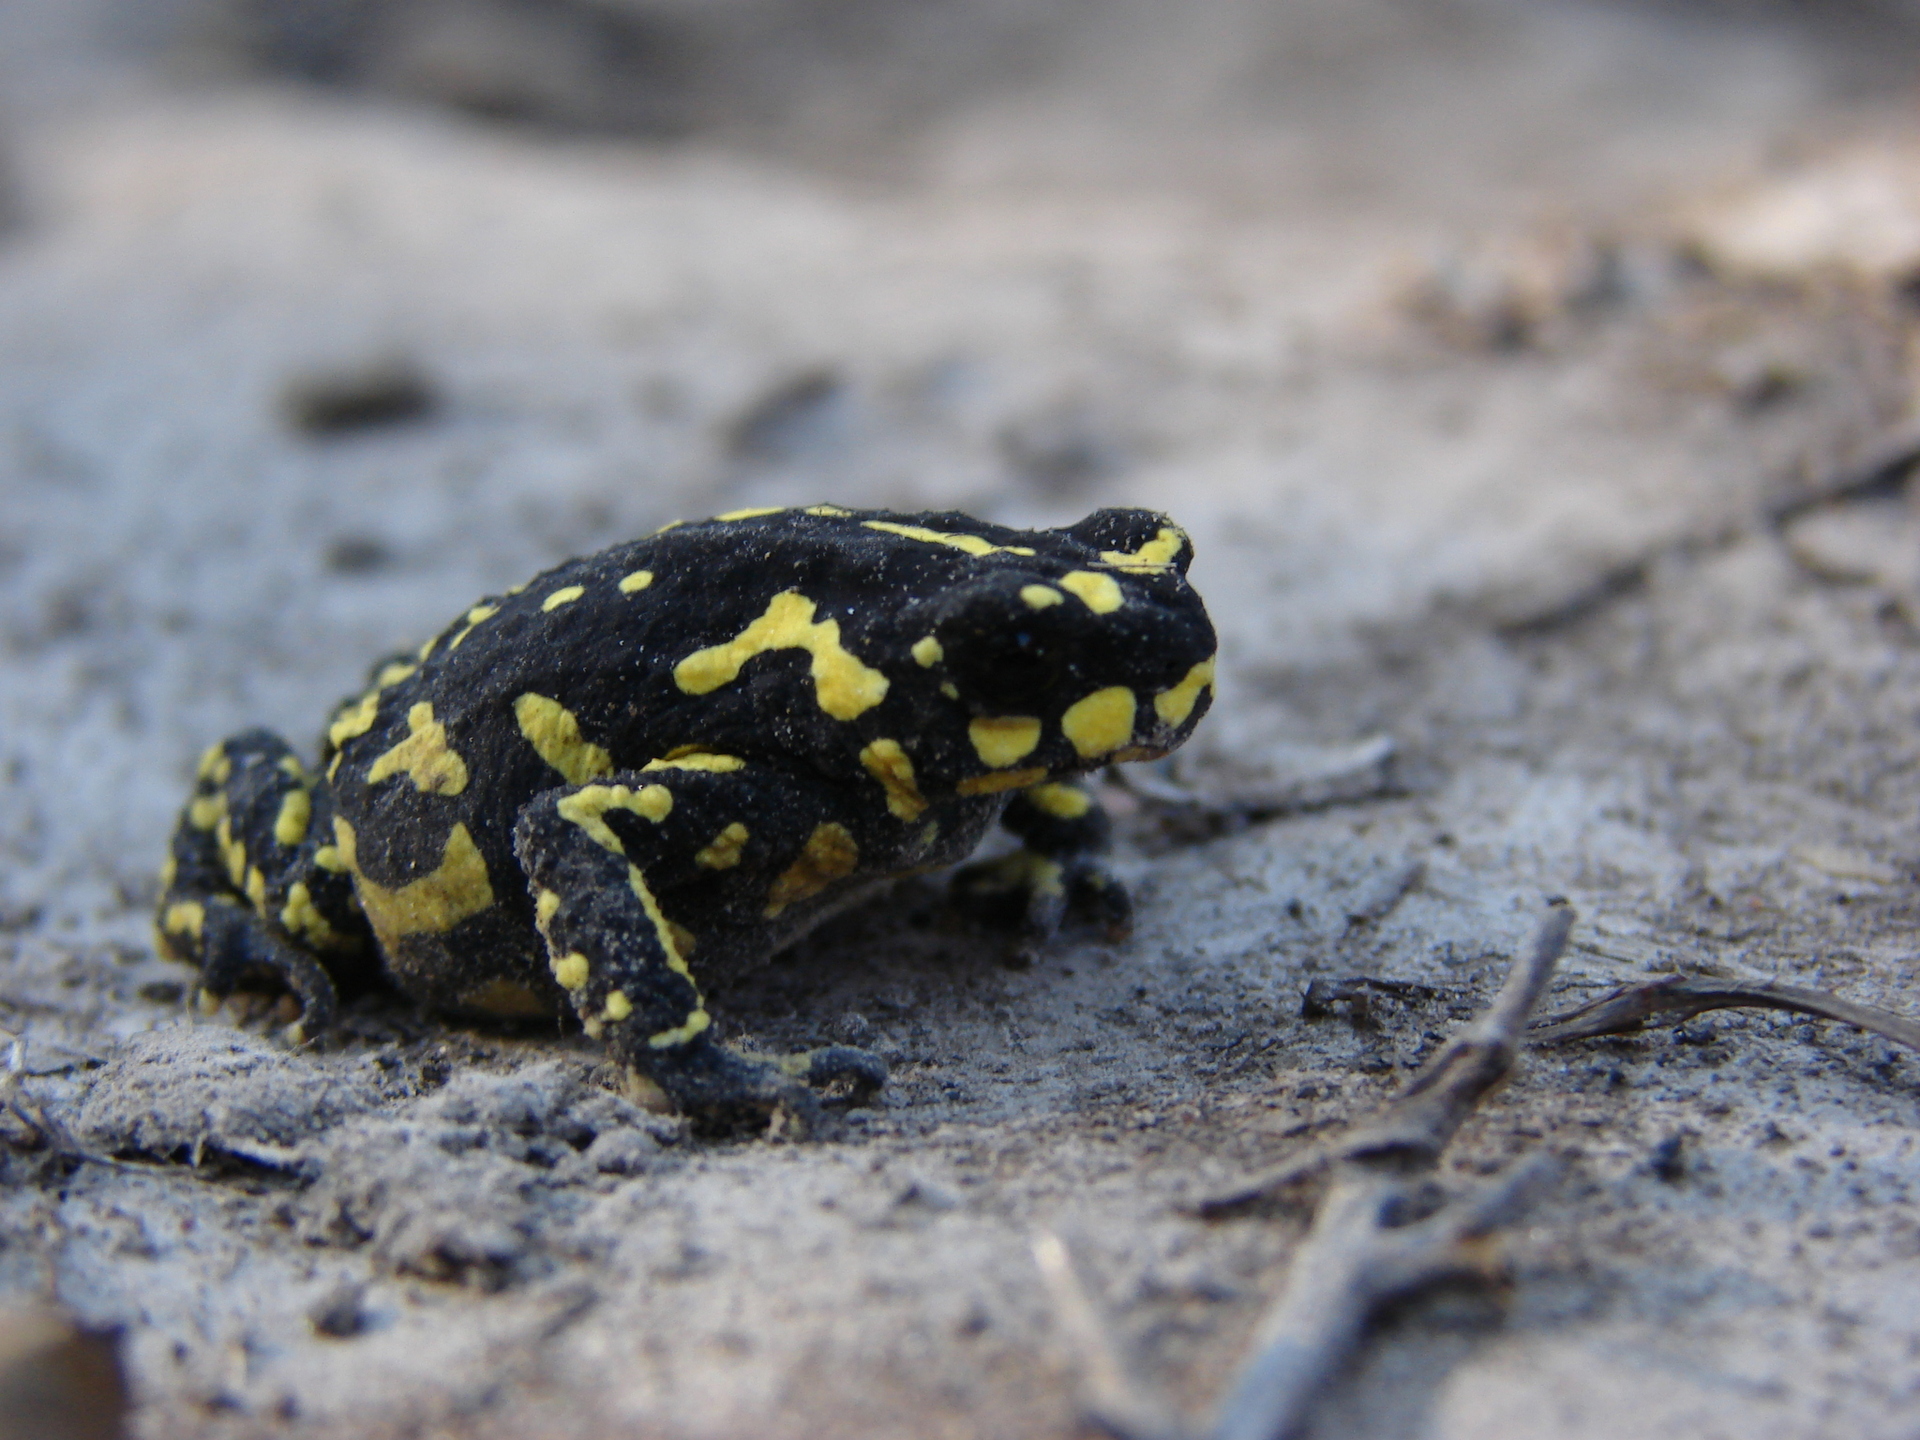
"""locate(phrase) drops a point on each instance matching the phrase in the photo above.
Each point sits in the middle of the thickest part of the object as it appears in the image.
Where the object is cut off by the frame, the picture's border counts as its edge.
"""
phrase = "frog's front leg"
(1059, 870)
(632, 874)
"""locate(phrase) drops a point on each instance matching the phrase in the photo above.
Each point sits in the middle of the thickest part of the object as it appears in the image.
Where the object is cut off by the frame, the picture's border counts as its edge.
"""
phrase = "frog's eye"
(1008, 670)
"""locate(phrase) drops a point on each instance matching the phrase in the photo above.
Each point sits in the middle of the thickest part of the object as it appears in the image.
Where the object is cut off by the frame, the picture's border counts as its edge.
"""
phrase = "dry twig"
(1376, 1235)
(1678, 997)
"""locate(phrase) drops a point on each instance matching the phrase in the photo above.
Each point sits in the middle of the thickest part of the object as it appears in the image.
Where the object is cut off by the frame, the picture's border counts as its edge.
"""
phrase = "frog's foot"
(238, 951)
(726, 1092)
(1037, 894)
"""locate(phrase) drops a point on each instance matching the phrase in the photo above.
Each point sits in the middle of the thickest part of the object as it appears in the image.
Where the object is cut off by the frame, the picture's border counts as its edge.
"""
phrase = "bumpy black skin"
(691, 748)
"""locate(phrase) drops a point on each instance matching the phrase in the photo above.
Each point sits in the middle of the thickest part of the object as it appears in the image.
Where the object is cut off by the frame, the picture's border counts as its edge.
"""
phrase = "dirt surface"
(1493, 354)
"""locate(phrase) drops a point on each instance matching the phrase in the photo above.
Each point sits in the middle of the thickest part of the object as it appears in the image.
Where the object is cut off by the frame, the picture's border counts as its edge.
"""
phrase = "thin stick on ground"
(1678, 997)
(1375, 1236)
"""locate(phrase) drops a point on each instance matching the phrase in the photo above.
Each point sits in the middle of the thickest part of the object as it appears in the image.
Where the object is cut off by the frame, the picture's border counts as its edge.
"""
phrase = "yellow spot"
(890, 765)
(1173, 706)
(327, 857)
(1156, 554)
(453, 891)
(505, 998)
(709, 760)
(185, 918)
(829, 855)
(1063, 802)
(424, 757)
(391, 675)
(572, 971)
(828, 510)
(928, 651)
(169, 872)
(670, 525)
(697, 1022)
(751, 512)
(844, 687)
(999, 780)
(950, 690)
(565, 595)
(637, 581)
(662, 927)
(1101, 722)
(211, 760)
(545, 905)
(972, 544)
(929, 833)
(474, 617)
(618, 1006)
(1039, 597)
(723, 851)
(586, 808)
(554, 733)
(301, 917)
(232, 851)
(516, 589)
(426, 646)
(257, 890)
(1000, 740)
(205, 812)
(1100, 593)
(290, 766)
(355, 720)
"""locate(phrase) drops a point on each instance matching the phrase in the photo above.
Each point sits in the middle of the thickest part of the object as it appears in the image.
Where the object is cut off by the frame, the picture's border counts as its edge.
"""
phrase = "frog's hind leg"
(604, 858)
(247, 895)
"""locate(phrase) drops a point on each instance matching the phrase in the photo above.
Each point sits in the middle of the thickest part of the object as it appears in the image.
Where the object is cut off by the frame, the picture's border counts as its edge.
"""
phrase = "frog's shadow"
(904, 952)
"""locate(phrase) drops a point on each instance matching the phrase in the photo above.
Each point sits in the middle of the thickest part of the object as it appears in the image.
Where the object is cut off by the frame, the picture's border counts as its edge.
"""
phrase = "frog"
(645, 771)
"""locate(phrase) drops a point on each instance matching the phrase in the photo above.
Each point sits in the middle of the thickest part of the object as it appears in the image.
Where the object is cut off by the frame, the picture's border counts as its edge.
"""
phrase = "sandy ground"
(1474, 343)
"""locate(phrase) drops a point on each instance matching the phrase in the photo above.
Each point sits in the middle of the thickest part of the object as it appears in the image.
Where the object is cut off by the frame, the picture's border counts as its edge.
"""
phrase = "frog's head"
(1090, 650)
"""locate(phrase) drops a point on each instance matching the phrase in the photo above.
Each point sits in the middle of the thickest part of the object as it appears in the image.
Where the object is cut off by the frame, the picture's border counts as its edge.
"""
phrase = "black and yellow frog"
(674, 757)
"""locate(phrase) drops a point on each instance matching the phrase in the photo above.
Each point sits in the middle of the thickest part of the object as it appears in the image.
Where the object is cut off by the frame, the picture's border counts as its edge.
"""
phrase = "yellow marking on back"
(169, 872)
(290, 766)
(709, 760)
(424, 757)
(1099, 593)
(1063, 802)
(565, 595)
(393, 674)
(296, 811)
(455, 890)
(256, 888)
(204, 812)
(185, 917)
(636, 582)
(301, 917)
(554, 733)
(971, 544)
(1101, 722)
(751, 512)
(586, 808)
(1157, 554)
(571, 970)
(723, 851)
(328, 858)
(1176, 704)
(214, 764)
(999, 740)
(474, 617)
(697, 1022)
(356, 720)
(545, 905)
(830, 854)
(231, 850)
(891, 766)
(828, 510)
(928, 651)
(1039, 597)
(618, 1007)
(843, 686)
(998, 780)
(507, 999)
(426, 646)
